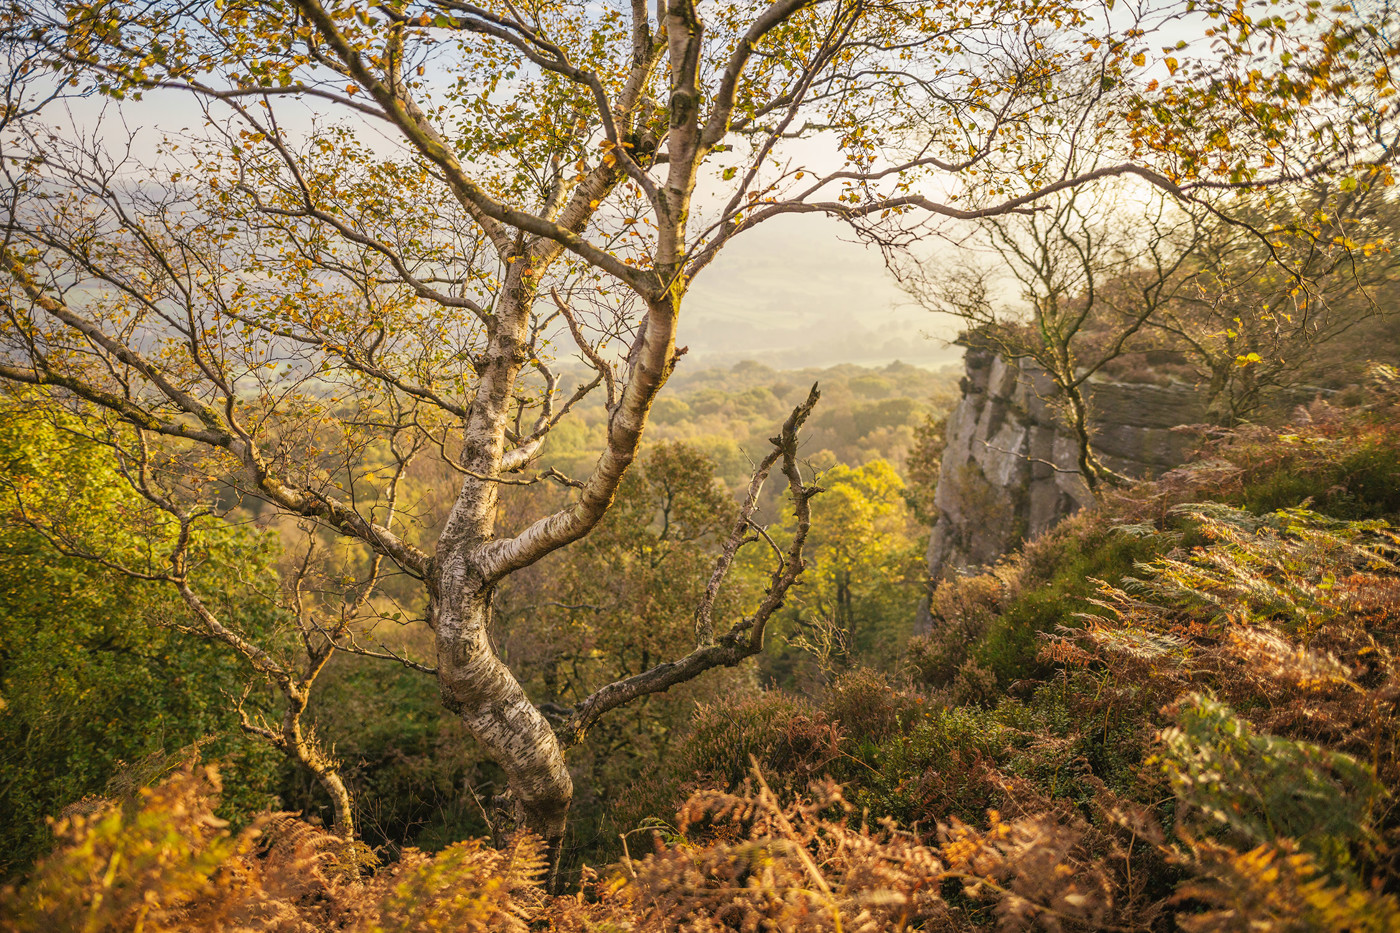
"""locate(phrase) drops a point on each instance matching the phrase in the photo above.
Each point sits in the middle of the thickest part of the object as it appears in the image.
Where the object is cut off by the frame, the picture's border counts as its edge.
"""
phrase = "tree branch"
(745, 638)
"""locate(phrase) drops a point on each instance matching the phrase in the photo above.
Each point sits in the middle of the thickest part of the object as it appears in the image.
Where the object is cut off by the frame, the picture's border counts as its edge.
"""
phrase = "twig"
(596, 359)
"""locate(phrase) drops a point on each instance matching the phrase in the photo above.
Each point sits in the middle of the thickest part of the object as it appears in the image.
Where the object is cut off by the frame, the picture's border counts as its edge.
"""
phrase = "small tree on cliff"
(1259, 314)
(1248, 298)
(1091, 281)
(291, 304)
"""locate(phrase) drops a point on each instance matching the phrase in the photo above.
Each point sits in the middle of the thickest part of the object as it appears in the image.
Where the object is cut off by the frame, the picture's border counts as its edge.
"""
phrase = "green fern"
(1260, 788)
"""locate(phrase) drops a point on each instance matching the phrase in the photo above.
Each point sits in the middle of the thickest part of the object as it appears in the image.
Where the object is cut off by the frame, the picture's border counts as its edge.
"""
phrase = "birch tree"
(395, 214)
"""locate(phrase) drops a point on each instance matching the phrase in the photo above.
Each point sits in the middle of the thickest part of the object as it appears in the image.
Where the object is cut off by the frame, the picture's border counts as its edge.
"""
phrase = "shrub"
(961, 609)
(806, 866)
(786, 735)
(1235, 681)
(736, 861)
(791, 738)
(866, 708)
(166, 863)
(1274, 639)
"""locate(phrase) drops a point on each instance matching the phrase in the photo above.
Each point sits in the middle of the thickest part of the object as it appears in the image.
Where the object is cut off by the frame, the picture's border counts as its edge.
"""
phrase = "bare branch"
(745, 638)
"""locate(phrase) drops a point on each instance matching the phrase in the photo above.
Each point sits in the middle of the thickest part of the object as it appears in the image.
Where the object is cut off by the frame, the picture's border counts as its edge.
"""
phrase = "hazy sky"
(795, 291)
(799, 291)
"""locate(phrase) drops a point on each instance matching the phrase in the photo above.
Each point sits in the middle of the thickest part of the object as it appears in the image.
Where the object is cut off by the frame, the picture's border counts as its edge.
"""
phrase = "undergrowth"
(1176, 712)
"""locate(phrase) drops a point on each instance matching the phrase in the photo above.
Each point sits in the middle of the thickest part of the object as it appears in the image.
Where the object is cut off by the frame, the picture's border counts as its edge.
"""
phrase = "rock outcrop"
(1008, 471)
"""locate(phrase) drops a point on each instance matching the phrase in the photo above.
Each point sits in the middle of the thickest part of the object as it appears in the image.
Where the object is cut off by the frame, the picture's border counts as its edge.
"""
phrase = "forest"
(376, 556)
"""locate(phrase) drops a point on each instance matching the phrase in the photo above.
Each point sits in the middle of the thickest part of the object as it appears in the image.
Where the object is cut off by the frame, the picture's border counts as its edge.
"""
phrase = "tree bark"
(477, 686)
(1090, 467)
(474, 683)
(326, 774)
(340, 802)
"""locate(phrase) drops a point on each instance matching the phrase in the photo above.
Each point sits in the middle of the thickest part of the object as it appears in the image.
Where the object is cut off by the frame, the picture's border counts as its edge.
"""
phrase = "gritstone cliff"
(1008, 471)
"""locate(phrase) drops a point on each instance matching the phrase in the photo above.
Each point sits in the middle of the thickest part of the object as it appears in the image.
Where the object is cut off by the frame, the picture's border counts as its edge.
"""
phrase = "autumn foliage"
(1207, 742)
(743, 861)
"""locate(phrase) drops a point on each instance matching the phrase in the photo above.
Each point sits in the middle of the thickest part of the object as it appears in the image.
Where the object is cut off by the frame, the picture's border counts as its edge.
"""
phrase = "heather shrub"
(940, 766)
(867, 708)
(788, 736)
(973, 685)
(792, 739)
(1348, 468)
(1009, 648)
(961, 609)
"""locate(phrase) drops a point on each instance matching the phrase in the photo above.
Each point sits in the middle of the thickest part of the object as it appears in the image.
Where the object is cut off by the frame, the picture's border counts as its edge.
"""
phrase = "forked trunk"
(474, 682)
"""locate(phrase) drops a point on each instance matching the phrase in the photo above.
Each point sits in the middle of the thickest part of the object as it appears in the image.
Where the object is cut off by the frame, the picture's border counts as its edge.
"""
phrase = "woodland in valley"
(377, 557)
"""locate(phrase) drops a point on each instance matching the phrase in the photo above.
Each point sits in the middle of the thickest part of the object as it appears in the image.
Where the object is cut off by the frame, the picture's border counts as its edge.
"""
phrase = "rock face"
(1008, 471)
